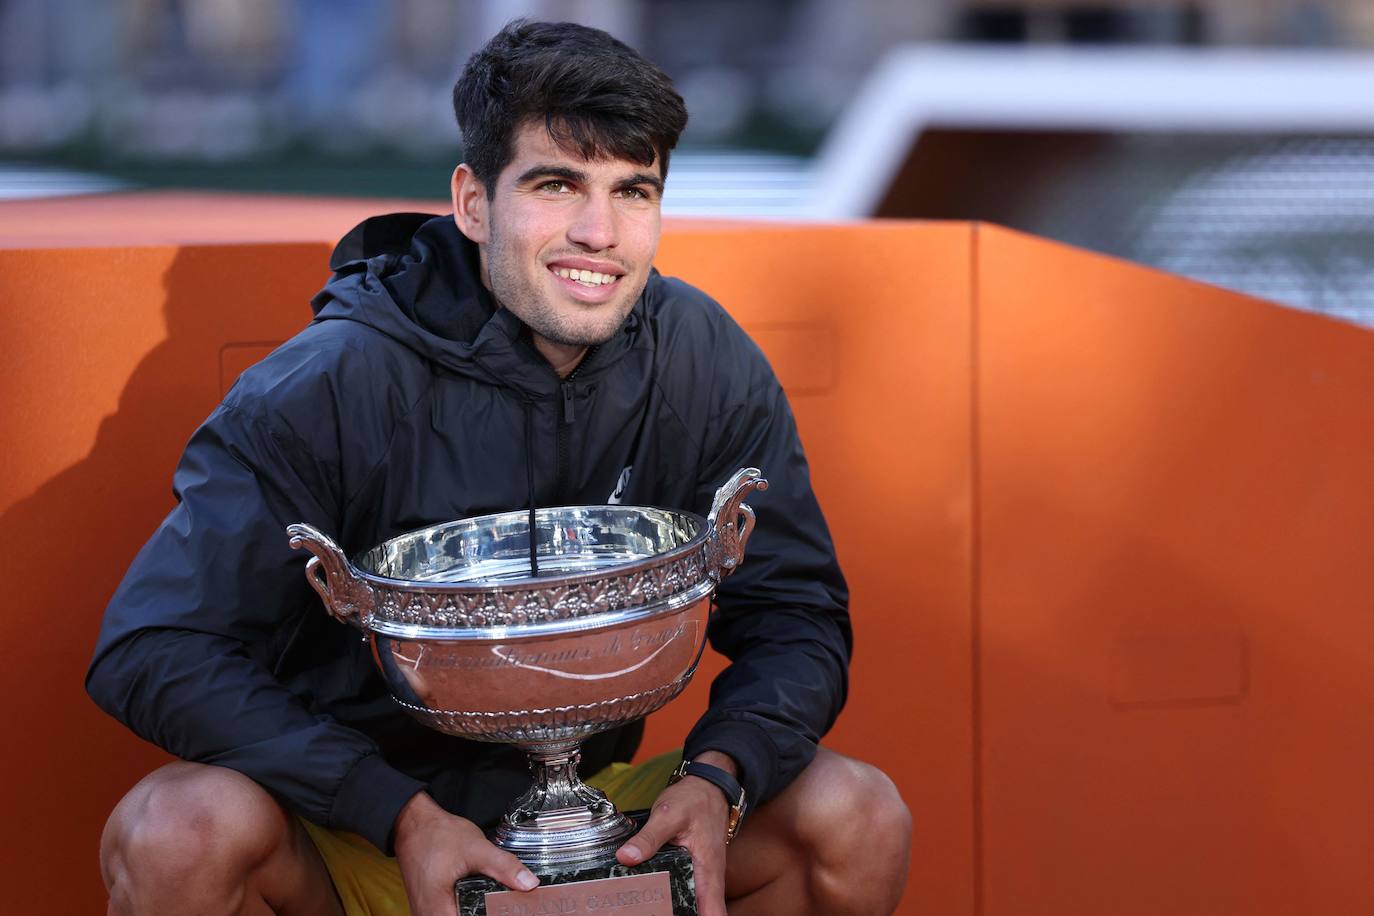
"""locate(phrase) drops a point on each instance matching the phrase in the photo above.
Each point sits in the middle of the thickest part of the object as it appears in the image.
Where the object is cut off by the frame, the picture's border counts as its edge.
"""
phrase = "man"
(521, 352)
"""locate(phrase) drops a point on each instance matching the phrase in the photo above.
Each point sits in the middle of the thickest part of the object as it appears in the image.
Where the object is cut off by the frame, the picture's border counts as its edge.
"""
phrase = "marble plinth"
(674, 861)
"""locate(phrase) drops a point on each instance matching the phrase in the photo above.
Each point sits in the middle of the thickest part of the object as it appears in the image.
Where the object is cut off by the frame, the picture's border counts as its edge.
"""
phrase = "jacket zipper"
(567, 418)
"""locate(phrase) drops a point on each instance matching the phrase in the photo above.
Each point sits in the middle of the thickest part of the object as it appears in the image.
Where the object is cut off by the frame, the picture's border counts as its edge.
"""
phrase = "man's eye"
(555, 187)
(634, 193)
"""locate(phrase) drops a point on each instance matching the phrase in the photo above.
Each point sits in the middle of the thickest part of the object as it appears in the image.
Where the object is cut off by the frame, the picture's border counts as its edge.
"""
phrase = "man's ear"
(471, 209)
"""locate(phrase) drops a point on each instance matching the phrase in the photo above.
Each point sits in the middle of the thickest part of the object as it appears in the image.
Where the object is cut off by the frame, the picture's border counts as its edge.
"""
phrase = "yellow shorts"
(369, 883)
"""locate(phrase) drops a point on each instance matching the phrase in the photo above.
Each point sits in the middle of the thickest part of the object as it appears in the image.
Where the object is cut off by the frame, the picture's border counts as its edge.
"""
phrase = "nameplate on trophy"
(630, 895)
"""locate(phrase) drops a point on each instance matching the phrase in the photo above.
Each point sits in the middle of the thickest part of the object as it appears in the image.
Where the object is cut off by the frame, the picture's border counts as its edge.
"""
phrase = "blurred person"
(447, 356)
(41, 45)
(334, 46)
(55, 75)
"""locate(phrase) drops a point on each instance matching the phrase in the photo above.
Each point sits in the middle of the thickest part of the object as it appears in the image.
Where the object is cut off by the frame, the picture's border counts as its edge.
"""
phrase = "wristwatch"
(734, 792)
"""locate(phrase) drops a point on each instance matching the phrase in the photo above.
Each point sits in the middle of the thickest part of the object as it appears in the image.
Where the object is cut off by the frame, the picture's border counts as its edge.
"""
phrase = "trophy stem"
(560, 820)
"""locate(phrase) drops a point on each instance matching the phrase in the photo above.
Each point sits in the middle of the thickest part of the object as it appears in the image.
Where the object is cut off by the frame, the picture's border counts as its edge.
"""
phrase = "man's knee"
(853, 810)
(190, 822)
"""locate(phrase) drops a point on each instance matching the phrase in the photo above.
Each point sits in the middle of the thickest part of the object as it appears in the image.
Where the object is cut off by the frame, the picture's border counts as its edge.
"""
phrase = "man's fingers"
(708, 866)
(664, 823)
(432, 899)
(434, 902)
(506, 868)
(670, 821)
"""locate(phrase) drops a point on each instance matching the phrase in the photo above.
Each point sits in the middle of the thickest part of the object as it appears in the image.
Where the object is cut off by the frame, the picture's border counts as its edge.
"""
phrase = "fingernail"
(632, 851)
(526, 881)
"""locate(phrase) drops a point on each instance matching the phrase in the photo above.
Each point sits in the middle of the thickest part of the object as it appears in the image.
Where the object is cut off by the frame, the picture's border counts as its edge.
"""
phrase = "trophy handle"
(732, 521)
(346, 596)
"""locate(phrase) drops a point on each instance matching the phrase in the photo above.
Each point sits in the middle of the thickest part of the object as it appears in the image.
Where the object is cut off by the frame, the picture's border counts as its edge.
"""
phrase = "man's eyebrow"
(639, 178)
(551, 171)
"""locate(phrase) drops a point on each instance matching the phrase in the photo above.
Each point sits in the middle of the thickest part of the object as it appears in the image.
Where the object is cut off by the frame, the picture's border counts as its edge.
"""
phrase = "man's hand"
(435, 849)
(692, 813)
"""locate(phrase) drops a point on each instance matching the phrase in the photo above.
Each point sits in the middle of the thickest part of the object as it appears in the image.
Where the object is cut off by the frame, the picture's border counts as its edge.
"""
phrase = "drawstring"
(529, 484)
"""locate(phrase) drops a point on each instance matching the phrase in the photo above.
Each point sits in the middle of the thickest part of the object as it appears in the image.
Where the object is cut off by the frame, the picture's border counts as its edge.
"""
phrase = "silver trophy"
(486, 630)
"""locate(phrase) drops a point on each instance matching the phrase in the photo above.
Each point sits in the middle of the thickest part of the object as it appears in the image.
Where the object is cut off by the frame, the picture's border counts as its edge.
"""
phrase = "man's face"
(567, 243)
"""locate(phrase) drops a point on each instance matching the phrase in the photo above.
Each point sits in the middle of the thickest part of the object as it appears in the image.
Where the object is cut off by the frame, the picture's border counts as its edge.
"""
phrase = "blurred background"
(1227, 140)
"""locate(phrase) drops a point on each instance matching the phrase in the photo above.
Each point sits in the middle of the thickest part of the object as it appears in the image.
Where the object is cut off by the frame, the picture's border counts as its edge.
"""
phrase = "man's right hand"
(435, 849)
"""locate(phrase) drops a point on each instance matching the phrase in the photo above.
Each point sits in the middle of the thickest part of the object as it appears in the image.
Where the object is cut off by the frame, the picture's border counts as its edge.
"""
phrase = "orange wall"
(1175, 598)
(1104, 530)
(113, 357)
(879, 380)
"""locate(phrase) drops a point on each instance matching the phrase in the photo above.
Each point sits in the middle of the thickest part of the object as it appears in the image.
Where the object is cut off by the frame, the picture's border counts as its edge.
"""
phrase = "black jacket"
(410, 400)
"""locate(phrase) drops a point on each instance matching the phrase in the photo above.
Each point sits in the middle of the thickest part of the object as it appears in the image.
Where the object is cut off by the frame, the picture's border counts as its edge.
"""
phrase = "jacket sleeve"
(782, 617)
(188, 642)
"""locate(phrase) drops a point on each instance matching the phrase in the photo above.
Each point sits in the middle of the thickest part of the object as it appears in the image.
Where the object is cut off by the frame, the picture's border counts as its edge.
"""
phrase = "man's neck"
(563, 357)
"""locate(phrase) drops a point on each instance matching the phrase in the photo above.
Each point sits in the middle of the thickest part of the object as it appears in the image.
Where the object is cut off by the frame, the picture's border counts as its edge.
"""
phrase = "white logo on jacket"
(619, 493)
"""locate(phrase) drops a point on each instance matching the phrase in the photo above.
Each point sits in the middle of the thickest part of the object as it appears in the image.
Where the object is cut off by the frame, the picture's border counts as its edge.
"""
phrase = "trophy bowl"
(540, 628)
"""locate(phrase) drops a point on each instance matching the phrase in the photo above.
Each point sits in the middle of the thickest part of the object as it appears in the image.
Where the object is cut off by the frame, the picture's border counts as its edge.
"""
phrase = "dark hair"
(596, 96)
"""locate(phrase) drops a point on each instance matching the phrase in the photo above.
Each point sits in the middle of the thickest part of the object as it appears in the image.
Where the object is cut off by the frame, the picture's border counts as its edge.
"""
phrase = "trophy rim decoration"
(460, 629)
(414, 608)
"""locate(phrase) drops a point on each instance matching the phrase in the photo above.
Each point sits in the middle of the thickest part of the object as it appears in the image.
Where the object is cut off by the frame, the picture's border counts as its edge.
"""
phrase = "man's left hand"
(691, 813)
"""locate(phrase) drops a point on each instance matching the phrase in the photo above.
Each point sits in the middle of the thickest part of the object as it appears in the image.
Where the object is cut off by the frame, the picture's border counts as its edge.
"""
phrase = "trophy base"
(661, 886)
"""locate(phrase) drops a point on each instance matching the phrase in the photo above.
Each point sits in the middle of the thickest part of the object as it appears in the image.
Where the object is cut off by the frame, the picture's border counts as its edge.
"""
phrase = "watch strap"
(734, 792)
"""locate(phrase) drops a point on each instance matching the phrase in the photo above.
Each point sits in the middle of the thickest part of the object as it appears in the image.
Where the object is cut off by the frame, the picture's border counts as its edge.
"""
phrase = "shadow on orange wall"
(66, 545)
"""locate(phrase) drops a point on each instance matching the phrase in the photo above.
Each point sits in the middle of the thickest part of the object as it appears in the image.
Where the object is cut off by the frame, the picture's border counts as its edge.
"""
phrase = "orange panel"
(869, 329)
(114, 357)
(116, 354)
(1175, 516)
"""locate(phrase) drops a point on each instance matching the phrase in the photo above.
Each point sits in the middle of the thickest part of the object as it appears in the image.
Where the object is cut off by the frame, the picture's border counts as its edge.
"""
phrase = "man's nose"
(594, 226)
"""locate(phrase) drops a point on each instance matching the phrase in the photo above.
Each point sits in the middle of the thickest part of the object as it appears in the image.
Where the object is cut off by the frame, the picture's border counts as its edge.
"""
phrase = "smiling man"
(520, 352)
(565, 243)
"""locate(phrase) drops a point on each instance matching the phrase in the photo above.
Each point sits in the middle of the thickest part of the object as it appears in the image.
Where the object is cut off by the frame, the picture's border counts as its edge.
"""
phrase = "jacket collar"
(421, 284)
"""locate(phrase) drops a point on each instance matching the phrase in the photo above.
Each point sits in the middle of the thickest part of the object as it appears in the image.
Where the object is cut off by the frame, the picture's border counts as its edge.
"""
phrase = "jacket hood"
(415, 278)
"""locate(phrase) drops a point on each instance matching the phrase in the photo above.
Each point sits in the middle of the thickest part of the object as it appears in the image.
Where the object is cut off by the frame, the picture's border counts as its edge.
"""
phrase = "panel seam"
(975, 564)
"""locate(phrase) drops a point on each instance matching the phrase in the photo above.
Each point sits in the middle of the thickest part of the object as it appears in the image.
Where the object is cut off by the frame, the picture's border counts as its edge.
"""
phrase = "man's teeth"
(585, 277)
